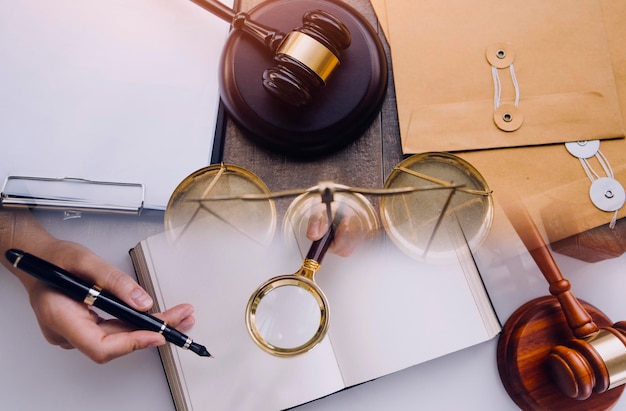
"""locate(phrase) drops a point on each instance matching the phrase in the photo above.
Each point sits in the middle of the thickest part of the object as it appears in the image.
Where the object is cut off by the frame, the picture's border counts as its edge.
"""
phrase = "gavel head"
(306, 58)
(596, 364)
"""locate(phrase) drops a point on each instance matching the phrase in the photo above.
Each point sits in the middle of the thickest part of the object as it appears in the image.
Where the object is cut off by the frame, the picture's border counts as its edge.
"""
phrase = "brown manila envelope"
(551, 181)
(449, 55)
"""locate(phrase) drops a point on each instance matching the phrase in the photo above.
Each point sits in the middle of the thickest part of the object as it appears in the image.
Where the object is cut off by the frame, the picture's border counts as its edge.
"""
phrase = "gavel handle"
(217, 8)
(269, 37)
(578, 319)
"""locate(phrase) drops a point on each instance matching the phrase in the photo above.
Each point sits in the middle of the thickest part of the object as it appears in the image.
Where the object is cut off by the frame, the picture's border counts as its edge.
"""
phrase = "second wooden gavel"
(305, 57)
(593, 361)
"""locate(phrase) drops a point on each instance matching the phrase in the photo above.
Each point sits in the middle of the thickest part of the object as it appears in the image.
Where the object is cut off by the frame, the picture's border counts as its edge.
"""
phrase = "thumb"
(92, 267)
(123, 287)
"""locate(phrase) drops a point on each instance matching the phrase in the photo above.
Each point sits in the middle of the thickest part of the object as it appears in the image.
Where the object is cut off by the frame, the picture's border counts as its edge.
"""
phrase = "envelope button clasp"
(500, 55)
(508, 117)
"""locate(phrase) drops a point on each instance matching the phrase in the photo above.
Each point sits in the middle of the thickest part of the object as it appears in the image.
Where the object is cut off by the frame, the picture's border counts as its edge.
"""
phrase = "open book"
(387, 312)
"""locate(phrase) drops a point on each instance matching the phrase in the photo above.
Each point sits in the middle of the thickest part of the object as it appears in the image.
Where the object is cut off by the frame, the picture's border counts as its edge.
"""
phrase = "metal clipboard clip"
(72, 195)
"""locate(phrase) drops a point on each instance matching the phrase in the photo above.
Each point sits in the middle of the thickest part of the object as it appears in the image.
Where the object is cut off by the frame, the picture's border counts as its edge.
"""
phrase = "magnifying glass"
(288, 315)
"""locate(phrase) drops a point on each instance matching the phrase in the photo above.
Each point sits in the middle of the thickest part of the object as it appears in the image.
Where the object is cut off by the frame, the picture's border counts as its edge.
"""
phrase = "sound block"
(597, 244)
(338, 113)
(523, 347)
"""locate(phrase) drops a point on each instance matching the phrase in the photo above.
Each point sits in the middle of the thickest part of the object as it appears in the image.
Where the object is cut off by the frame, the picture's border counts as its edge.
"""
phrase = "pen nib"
(200, 350)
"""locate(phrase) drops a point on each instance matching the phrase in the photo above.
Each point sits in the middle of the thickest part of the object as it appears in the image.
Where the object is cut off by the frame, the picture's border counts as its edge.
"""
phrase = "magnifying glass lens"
(288, 316)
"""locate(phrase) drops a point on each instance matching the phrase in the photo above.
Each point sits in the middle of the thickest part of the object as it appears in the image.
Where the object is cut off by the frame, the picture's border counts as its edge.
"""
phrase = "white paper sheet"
(122, 91)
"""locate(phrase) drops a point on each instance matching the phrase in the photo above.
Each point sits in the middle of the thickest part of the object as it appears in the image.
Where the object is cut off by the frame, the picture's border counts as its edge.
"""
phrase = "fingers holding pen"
(103, 340)
(117, 340)
(82, 262)
(56, 275)
(103, 347)
(95, 269)
(180, 317)
(70, 323)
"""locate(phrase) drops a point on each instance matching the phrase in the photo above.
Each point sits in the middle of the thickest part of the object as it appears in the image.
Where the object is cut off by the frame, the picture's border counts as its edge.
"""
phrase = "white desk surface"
(37, 375)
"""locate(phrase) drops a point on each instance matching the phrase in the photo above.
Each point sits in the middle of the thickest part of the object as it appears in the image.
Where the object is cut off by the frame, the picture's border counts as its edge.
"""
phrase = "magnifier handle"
(319, 247)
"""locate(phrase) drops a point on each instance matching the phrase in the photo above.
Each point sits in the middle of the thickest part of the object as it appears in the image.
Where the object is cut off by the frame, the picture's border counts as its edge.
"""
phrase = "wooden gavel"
(593, 361)
(305, 57)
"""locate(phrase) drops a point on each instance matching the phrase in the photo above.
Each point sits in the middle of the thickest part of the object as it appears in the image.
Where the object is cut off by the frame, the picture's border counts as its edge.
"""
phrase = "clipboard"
(61, 193)
(114, 97)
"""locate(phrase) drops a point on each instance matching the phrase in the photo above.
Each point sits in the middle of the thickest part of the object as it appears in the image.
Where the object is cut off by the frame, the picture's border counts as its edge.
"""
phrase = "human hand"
(349, 233)
(71, 324)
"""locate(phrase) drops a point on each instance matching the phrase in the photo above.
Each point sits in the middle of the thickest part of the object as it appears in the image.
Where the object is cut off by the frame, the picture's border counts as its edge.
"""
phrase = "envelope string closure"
(507, 117)
(606, 193)
(497, 86)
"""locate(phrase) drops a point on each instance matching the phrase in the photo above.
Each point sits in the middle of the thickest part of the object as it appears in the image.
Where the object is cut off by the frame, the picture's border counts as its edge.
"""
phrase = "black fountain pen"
(80, 290)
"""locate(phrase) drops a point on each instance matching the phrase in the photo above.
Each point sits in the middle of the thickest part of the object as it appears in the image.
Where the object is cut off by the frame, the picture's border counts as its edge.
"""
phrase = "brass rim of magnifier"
(182, 208)
(281, 281)
(296, 213)
(474, 183)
